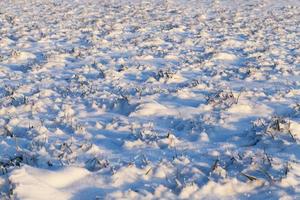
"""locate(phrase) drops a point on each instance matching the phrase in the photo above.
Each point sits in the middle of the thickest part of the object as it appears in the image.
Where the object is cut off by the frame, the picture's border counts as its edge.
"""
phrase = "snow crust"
(158, 99)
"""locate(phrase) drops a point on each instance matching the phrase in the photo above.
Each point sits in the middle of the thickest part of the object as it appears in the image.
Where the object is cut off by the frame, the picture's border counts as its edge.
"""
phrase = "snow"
(130, 99)
(46, 184)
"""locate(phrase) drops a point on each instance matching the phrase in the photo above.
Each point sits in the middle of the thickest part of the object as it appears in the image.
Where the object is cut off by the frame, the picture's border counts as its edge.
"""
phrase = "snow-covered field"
(160, 99)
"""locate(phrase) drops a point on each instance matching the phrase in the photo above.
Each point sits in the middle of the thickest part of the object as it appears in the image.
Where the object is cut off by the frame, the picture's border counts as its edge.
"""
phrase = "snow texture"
(159, 99)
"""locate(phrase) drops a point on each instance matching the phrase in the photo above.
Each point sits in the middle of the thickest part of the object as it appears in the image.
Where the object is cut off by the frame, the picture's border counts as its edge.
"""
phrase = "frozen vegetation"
(161, 99)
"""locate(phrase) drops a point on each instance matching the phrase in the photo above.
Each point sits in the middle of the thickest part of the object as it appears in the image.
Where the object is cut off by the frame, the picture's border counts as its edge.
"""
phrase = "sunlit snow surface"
(149, 99)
